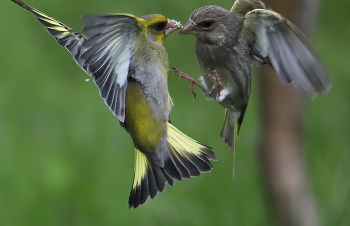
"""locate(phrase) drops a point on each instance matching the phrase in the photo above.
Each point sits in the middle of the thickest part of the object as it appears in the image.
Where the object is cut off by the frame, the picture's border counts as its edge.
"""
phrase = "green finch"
(125, 56)
(230, 42)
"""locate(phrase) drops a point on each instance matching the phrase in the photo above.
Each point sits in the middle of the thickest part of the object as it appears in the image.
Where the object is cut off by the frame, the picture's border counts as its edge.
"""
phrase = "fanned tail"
(63, 34)
(187, 159)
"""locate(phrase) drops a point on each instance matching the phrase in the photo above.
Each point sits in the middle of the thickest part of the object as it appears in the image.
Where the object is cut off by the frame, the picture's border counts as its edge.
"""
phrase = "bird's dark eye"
(160, 26)
(207, 24)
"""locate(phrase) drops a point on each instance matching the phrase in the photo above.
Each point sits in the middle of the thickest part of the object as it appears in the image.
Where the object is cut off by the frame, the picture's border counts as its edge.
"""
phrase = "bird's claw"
(190, 79)
(217, 83)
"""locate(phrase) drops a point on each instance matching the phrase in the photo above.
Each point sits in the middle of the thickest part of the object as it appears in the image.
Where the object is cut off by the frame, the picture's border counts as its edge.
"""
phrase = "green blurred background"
(64, 159)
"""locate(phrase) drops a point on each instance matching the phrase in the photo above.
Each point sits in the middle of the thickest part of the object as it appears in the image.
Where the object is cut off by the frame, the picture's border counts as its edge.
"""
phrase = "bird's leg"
(190, 79)
(217, 83)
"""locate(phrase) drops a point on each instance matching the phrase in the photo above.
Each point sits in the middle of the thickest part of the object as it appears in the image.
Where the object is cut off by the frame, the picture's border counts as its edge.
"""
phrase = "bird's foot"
(217, 83)
(190, 79)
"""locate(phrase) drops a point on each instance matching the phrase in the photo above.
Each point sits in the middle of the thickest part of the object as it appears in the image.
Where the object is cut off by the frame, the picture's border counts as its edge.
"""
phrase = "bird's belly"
(230, 95)
(223, 82)
(145, 128)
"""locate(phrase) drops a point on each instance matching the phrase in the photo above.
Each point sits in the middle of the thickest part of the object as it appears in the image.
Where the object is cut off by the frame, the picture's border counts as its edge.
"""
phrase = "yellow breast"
(145, 130)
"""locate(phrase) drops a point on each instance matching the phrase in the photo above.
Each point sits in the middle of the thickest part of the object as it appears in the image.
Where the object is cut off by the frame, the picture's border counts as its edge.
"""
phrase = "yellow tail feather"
(149, 179)
(187, 158)
(141, 165)
(185, 145)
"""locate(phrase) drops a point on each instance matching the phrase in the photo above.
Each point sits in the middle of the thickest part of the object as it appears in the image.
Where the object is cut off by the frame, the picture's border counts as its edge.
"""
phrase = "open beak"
(172, 26)
(189, 28)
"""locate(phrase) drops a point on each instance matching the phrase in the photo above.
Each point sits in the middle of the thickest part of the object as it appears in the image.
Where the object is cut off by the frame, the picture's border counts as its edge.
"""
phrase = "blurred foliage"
(64, 159)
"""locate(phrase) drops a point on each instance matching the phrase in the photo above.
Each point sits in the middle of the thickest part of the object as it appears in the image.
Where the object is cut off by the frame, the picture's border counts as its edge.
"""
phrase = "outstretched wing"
(278, 42)
(62, 33)
(107, 53)
(104, 53)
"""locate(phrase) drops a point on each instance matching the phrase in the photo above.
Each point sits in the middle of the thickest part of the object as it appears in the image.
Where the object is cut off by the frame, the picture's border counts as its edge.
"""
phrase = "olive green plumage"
(125, 56)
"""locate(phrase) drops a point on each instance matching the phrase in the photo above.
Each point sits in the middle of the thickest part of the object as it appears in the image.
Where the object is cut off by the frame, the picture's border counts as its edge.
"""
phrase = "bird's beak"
(189, 28)
(172, 26)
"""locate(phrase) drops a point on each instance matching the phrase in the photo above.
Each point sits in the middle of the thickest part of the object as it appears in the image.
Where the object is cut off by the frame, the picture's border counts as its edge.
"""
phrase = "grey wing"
(64, 35)
(106, 55)
(279, 43)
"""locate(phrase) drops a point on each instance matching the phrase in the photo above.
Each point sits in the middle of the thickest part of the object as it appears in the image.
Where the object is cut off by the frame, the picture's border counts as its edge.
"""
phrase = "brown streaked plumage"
(231, 42)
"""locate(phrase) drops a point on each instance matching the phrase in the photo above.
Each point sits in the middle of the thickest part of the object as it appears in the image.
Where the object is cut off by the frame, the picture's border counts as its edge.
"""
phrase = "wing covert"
(107, 52)
(244, 6)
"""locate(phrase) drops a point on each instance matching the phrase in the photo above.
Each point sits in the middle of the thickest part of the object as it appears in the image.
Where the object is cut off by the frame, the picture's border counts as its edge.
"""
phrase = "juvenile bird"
(228, 43)
(125, 56)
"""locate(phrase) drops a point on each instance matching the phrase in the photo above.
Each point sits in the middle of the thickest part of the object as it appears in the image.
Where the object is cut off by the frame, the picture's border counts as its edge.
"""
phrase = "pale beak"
(172, 26)
(189, 28)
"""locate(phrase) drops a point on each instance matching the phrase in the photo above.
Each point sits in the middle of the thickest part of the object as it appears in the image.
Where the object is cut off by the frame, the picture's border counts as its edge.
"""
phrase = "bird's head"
(158, 27)
(209, 24)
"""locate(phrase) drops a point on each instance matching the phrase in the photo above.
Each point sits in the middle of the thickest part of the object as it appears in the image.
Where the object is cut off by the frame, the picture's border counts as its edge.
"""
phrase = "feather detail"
(187, 159)
(279, 43)
(105, 54)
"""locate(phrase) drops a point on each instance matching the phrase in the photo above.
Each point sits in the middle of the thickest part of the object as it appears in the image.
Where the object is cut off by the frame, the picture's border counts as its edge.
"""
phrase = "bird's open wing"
(104, 53)
(63, 34)
(278, 42)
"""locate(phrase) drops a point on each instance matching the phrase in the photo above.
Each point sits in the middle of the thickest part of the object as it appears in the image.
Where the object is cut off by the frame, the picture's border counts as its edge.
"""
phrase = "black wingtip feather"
(22, 4)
